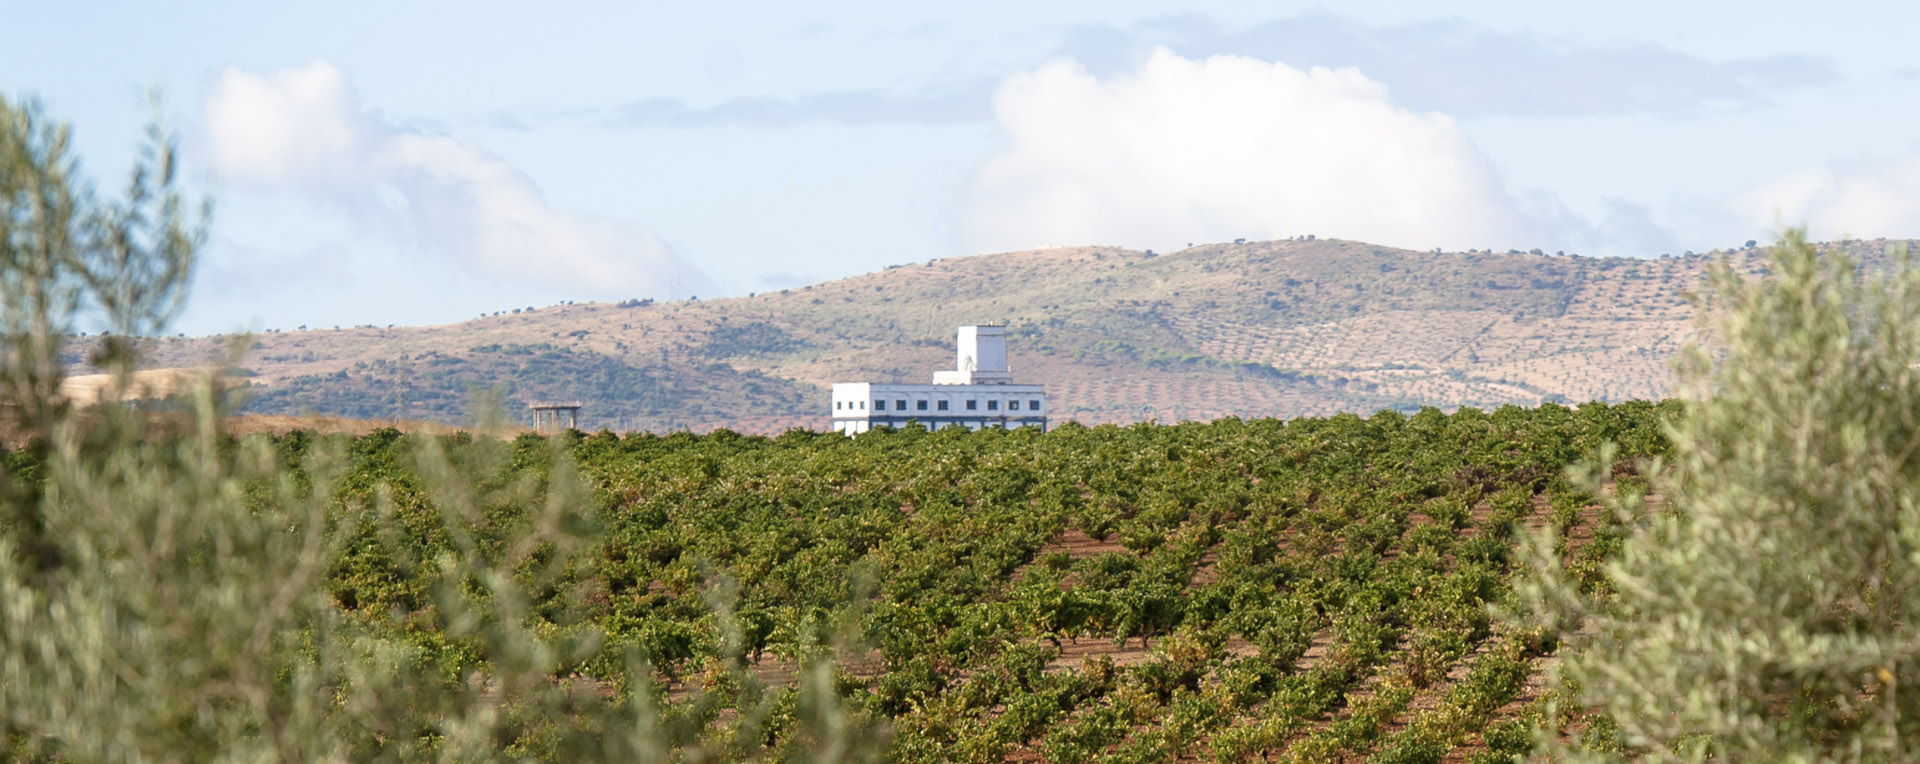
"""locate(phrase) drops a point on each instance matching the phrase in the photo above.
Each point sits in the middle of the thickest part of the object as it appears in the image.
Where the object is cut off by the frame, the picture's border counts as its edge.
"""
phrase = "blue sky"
(427, 162)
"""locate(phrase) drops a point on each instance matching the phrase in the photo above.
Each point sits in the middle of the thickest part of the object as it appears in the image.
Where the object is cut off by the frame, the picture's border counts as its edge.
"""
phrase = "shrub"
(164, 589)
(1769, 613)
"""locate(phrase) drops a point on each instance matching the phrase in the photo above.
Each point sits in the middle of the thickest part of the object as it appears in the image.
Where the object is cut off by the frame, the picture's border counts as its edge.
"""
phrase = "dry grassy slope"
(1283, 328)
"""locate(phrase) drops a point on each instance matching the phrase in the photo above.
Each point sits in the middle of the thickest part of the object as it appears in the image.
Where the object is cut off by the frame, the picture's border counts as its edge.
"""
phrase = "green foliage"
(1315, 589)
(1262, 584)
(751, 338)
(170, 594)
(435, 386)
(1767, 613)
(128, 259)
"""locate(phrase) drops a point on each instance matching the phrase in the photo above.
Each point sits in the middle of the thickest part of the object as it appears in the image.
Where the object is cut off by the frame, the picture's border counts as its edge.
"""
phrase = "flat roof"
(901, 387)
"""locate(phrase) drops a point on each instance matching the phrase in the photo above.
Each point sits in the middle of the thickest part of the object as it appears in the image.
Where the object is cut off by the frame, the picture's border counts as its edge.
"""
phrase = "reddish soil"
(776, 671)
(1074, 653)
(1316, 651)
(1076, 543)
(1538, 683)
(1204, 572)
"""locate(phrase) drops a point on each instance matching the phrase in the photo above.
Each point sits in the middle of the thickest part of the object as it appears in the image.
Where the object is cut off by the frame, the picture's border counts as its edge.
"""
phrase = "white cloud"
(1465, 69)
(304, 130)
(1182, 150)
(295, 125)
(1860, 199)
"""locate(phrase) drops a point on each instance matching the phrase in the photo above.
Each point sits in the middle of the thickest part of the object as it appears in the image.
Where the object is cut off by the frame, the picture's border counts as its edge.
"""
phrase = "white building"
(978, 393)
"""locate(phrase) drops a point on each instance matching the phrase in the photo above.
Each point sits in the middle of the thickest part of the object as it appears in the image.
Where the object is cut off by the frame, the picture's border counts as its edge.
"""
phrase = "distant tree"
(1769, 612)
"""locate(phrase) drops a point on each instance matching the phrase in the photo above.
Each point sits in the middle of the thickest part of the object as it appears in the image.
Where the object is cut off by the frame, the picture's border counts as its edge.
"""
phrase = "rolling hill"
(1257, 329)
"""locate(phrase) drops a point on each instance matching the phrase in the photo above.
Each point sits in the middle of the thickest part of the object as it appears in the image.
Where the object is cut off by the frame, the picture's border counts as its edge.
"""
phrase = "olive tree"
(1767, 611)
(163, 590)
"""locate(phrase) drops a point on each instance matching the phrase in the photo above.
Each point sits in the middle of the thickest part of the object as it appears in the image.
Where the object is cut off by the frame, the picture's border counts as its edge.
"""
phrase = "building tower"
(979, 392)
(980, 358)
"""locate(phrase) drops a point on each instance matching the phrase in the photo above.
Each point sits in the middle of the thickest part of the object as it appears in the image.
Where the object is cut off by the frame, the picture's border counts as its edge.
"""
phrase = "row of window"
(853, 427)
(993, 404)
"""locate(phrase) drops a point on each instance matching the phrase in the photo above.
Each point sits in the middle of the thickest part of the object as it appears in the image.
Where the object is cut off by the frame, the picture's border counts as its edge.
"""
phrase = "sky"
(429, 162)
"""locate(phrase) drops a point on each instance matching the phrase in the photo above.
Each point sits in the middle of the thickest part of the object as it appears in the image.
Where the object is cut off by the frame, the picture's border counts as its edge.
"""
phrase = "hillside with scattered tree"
(1261, 329)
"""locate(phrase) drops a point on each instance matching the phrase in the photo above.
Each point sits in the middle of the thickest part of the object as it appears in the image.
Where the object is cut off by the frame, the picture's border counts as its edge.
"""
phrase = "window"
(836, 405)
(899, 405)
(879, 405)
(943, 406)
(993, 405)
(1033, 405)
(921, 405)
(971, 405)
(863, 405)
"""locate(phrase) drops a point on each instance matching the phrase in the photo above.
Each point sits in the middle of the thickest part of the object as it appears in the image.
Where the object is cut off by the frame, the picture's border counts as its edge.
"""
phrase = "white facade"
(979, 393)
(979, 358)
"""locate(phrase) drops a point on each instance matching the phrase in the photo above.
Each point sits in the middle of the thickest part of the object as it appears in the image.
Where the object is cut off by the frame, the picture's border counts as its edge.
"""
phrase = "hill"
(1259, 329)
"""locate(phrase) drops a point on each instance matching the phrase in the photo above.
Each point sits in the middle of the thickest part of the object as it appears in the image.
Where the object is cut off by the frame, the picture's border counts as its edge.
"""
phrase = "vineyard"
(1317, 589)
